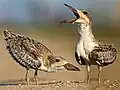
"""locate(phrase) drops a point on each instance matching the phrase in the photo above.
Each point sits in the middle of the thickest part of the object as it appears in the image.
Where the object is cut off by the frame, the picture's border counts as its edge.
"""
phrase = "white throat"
(85, 33)
(86, 40)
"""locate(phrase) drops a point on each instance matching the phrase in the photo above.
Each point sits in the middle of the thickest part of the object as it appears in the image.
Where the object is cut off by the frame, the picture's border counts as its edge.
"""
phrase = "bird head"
(82, 16)
(61, 64)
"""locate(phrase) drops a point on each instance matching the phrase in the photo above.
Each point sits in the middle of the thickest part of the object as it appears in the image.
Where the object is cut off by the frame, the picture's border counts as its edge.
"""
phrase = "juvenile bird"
(32, 54)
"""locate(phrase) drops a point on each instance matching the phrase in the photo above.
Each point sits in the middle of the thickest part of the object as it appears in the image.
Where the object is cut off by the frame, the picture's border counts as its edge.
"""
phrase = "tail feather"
(8, 34)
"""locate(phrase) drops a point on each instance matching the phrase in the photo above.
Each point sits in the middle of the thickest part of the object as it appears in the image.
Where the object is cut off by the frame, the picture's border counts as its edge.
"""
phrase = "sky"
(30, 10)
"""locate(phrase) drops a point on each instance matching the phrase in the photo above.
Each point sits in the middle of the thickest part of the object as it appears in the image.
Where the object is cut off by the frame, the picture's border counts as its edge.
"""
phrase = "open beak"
(71, 67)
(75, 12)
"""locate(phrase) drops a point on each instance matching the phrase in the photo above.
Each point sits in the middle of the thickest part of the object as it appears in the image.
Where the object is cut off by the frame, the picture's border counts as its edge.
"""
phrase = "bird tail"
(8, 34)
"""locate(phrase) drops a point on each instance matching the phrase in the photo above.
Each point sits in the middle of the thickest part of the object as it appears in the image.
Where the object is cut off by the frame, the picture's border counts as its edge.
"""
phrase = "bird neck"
(85, 33)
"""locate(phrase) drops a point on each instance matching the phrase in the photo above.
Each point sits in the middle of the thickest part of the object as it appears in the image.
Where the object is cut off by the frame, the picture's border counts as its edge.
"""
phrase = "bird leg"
(88, 74)
(26, 76)
(99, 70)
(36, 77)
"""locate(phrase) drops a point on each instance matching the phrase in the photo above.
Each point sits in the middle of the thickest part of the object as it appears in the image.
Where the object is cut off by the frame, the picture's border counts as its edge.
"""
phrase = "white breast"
(85, 43)
(84, 48)
(88, 47)
(80, 49)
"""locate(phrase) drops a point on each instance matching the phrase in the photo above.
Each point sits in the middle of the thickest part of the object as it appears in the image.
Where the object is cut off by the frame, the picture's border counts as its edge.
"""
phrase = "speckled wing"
(40, 50)
(103, 55)
(24, 50)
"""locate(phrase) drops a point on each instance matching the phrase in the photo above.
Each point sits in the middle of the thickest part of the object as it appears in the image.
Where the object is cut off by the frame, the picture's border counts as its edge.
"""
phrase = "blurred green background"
(40, 19)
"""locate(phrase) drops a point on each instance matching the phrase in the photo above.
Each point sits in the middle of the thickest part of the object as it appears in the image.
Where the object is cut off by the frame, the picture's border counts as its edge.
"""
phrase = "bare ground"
(60, 85)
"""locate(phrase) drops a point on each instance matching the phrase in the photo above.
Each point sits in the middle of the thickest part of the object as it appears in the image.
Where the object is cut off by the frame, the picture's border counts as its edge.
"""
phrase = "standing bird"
(89, 51)
(32, 54)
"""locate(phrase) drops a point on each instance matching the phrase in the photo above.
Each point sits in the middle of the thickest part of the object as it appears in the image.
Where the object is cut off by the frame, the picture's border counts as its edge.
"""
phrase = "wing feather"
(103, 55)
(28, 52)
(24, 50)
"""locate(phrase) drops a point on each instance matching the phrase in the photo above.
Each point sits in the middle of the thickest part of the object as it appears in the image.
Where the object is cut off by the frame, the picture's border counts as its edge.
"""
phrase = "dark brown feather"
(24, 50)
(103, 55)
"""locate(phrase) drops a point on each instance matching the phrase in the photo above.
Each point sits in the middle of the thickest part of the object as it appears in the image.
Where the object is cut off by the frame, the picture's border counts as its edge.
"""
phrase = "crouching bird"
(32, 54)
(89, 51)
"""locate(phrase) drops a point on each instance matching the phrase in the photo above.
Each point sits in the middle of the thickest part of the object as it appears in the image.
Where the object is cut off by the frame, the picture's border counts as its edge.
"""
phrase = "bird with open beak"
(82, 16)
(89, 51)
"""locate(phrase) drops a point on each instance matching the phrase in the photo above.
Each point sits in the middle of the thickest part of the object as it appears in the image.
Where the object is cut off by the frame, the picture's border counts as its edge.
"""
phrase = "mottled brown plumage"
(32, 54)
(103, 55)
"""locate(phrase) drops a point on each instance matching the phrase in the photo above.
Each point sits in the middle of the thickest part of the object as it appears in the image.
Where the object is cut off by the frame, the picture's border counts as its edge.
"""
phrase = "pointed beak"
(75, 12)
(71, 67)
(69, 21)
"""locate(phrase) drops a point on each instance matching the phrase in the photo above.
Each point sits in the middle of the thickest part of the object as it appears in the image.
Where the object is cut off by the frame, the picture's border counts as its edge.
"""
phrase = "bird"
(88, 50)
(31, 54)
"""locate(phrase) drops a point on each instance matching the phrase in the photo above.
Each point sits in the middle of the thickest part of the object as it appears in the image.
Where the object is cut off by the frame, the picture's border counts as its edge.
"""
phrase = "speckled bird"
(32, 54)
(90, 51)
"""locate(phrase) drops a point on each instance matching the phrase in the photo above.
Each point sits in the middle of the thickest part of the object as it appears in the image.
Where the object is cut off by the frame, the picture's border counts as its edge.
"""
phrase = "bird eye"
(57, 60)
(84, 12)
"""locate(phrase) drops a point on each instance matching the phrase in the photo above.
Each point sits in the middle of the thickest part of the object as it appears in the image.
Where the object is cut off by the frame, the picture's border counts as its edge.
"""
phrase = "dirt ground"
(12, 75)
(60, 85)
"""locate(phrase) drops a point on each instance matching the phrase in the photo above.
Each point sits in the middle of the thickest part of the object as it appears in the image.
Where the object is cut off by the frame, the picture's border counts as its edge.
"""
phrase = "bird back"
(27, 52)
